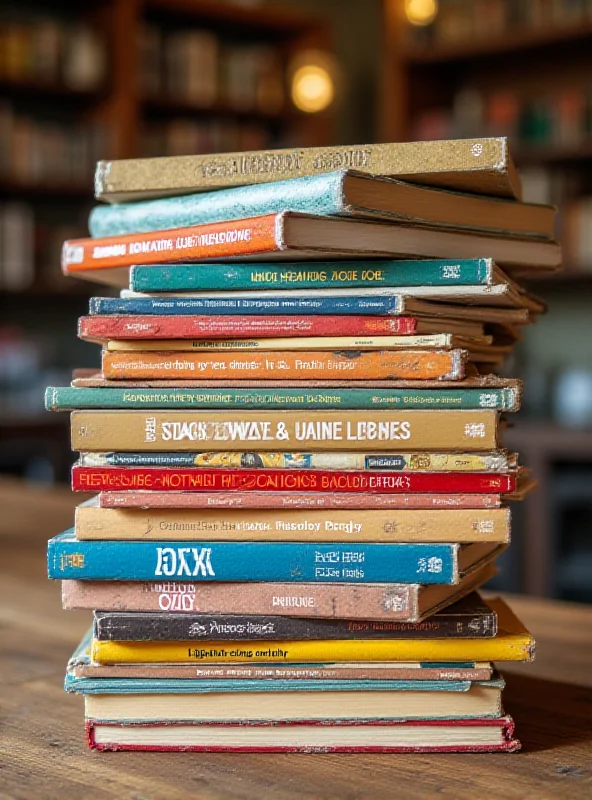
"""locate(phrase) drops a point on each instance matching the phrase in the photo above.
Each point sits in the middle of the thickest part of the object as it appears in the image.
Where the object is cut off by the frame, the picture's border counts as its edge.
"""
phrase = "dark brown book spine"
(122, 626)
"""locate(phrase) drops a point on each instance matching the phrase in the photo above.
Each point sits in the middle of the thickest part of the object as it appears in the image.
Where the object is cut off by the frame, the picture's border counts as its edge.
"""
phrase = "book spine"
(320, 275)
(378, 525)
(218, 240)
(179, 327)
(499, 648)
(356, 365)
(317, 431)
(329, 672)
(253, 561)
(266, 306)
(400, 462)
(478, 165)
(322, 195)
(153, 499)
(203, 479)
(121, 626)
(332, 600)
(68, 398)
(430, 341)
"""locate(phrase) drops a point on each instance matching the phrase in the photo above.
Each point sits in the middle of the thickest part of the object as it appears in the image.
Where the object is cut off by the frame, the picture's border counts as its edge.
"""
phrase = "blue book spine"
(319, 194)
(251, 561)
(364, 306)
(313, 275)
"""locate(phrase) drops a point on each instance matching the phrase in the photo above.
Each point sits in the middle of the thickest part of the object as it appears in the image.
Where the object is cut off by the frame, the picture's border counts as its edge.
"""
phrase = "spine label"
(354, 430)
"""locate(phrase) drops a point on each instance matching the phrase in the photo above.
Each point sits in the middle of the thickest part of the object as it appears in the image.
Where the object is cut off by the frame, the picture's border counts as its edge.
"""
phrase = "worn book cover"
(138, 430)
(479, 166)
(313, 525)
(470, 617)
(403, 602)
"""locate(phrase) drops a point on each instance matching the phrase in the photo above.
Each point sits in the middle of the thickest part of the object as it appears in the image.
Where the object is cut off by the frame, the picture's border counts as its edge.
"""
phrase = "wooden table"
(43, 753)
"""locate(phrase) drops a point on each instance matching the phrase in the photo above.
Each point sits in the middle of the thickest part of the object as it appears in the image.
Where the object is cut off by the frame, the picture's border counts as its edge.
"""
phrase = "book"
(102, 327)
(511, 643)
(405, 602)
(465, 431)
(204, 479)
(482, 699)
(153, 499)
(349, 562)
(293, 525)
(476, 345)
(385, 364)
(470, 617)
(428, 736)
(81, 671)
(291, 236)
(481, 166)
(495, 461)
(321, 305)
(342, 193)
(68, 398)
(506, 294)
(264, 275)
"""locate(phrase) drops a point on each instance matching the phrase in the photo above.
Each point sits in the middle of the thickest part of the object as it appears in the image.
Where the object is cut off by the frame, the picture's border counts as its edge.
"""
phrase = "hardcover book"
(349, 562)
(480, 166)
(344, 193)
(428, 736)
(290, 236)
(308, 525)
(204, 479)
(470, 617)
(318, 275)
(68, 398)
(403, 602)
(465, 431)
(511, 643)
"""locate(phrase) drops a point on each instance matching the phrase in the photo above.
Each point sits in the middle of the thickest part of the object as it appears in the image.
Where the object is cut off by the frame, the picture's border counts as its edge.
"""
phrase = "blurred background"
(125, 78)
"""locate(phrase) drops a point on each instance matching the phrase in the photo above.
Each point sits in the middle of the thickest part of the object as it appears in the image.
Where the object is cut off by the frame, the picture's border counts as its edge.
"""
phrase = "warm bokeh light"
(313, 89)
(421, 12)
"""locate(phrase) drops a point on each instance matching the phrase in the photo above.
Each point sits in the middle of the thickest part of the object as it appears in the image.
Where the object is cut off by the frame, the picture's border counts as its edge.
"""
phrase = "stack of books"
(296, 442)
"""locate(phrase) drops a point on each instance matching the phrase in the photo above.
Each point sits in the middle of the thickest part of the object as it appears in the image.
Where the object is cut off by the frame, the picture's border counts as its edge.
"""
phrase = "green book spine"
(68, 398)
(312, 275)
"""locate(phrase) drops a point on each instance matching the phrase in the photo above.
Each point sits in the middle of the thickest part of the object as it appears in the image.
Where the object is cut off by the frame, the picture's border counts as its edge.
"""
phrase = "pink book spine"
(371, 601)
(277, 500)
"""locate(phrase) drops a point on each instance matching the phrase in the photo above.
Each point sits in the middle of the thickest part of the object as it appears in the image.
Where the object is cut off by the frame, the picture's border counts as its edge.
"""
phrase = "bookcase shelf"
(169, 106)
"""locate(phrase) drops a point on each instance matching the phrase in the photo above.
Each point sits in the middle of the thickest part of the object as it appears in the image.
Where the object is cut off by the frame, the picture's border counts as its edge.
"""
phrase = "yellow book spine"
(510, 647)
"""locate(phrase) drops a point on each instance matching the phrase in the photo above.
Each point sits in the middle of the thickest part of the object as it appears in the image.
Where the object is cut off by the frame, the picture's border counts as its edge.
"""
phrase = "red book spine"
(215, 240)
(201, 479)
(278, 500)
(195, 327)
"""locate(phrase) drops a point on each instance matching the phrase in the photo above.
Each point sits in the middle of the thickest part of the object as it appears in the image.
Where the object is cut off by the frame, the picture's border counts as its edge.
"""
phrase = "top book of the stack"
(479, 166)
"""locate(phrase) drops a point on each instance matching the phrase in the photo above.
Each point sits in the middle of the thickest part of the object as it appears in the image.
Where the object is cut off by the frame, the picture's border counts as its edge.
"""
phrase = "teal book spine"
(68, 398)
(311, 275)
(345, 562)
(320, 194)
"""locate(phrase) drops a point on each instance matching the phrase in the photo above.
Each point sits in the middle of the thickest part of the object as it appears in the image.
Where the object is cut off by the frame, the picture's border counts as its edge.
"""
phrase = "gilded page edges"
(102, 171)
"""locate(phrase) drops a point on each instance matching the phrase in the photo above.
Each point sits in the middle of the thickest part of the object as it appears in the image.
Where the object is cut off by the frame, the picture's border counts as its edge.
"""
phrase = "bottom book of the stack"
(143, 695)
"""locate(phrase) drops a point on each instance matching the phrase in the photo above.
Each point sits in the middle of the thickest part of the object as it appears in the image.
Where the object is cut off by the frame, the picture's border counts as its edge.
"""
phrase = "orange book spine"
(354, 365)
(215, 240)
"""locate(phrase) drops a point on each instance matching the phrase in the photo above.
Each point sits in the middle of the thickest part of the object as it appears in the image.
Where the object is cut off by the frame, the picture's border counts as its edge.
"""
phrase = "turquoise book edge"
(311, 275)
(68, 398)
(346, 562)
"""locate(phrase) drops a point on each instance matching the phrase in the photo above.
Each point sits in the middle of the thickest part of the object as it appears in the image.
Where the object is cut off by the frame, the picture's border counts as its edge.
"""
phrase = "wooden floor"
(43, 753)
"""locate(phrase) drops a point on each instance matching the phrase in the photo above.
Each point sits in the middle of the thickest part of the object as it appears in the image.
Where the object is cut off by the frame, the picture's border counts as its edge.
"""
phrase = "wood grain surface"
(43, 752)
